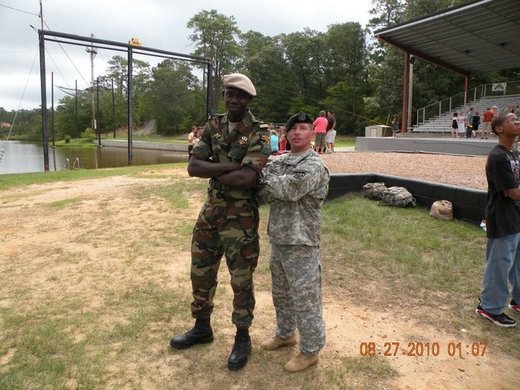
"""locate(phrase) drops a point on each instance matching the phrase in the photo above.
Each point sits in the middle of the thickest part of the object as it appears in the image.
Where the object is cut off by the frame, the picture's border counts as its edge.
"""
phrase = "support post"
(410, 93)
(43, 85)
(466, 87)
(406, 80)
(130, 104)
(52, 111)
(113, 110)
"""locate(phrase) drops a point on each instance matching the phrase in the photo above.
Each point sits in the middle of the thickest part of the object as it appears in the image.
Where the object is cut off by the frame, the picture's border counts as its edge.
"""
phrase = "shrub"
(88, 134)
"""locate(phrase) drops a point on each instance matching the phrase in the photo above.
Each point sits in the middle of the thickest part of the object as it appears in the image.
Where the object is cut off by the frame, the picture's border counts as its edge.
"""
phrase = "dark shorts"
(320, 139)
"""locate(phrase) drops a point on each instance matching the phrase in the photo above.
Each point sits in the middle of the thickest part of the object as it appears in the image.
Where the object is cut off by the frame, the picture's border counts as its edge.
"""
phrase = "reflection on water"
(21, 157)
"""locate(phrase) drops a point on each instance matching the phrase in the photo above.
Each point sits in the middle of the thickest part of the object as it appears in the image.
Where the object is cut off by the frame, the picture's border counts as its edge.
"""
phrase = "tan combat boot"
(277, 342)
(300, 362)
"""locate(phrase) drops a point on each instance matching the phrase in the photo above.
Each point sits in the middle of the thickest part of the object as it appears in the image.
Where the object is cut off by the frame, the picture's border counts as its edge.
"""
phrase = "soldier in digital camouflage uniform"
(232, 151)
(296, 184)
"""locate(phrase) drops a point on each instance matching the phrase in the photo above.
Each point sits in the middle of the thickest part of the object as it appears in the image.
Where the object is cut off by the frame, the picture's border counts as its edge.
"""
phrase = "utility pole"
(52, 111)
(97, 110)
(113, 110)
(41, 14)
(45, 128)
(93, 51)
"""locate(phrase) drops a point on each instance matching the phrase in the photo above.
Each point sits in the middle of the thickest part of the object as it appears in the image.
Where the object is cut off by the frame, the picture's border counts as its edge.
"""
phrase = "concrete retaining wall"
(462, 146)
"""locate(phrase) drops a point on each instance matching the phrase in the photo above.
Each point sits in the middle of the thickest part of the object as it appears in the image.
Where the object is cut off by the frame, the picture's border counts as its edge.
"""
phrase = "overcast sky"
(159, 24)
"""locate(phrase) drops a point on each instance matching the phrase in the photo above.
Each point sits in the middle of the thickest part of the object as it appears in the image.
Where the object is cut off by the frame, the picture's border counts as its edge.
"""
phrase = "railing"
(448, 105)
(75, 164)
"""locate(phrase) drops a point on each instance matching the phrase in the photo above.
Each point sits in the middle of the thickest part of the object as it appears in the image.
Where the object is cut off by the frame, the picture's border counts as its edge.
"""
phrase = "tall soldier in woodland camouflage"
(232, 152)
(296, 184)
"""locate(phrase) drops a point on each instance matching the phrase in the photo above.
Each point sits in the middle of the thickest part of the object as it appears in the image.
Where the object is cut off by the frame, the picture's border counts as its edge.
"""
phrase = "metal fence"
(441, 107)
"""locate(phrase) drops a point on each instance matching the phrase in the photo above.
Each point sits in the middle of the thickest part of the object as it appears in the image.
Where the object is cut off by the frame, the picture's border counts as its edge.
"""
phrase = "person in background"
(395, 126)
(296, 184)
(232, 152)
(469, 122)
(320, 129)
(454, 125)
(330, 139)
(330, 136)
(475, 124)
(274, 139)
(486, 123)
(502, 226)
(494, 110)
(331, 120)
(193, 138)
(461, 119)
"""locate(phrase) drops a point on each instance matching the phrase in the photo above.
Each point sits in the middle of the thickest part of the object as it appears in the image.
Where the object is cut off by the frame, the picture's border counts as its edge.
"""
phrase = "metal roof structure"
(477, 37)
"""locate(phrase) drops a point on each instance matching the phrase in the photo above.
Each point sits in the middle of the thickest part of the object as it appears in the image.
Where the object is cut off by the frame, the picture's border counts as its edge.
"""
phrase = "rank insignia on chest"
(217, 135)
(243, 140)
(299, 175)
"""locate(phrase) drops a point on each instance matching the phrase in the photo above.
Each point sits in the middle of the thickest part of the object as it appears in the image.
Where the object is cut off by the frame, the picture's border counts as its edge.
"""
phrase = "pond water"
(22, 157)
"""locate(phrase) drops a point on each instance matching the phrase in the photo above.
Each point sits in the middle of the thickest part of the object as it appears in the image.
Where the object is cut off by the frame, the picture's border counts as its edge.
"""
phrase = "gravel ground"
(461, 171)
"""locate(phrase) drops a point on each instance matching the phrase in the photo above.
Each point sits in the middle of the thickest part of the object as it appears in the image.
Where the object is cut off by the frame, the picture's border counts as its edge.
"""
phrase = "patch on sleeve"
(299, 175)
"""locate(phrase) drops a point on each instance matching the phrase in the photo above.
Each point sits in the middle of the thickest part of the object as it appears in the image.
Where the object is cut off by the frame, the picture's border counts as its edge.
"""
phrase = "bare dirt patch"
(102, 229)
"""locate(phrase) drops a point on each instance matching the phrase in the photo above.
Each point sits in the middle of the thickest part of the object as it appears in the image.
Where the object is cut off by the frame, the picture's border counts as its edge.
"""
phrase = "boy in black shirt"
(503, 225)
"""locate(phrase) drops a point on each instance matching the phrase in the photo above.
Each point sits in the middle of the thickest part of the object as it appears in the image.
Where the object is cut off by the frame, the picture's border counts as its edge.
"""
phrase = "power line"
(23, 94)
(19, 10)
(66, 90)
(67, 55)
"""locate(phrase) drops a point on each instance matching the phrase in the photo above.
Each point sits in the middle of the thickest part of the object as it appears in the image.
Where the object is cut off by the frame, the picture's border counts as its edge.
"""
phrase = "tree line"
(342, 69)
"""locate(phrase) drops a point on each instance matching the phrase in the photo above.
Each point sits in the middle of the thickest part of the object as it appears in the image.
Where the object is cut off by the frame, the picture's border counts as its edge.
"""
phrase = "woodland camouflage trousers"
(225, 227)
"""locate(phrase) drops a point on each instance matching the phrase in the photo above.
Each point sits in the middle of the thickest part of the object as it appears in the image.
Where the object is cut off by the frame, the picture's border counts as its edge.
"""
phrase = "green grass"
(379, 255)
(167, 139)
(77, 143)
(19, 179)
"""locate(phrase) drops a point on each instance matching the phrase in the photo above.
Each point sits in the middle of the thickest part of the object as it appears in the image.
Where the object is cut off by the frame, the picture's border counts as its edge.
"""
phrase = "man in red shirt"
(320, 129)
(486, 123)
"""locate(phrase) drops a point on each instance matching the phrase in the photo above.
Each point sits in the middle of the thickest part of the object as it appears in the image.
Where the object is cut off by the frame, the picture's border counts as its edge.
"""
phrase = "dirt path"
(34, 226)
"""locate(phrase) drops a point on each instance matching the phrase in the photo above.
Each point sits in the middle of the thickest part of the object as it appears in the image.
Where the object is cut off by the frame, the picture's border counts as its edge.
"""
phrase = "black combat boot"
(200, 334)
(241, 350)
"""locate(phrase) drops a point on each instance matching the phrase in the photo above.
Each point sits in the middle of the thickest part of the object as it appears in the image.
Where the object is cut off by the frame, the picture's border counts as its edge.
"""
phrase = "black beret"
(301, 117)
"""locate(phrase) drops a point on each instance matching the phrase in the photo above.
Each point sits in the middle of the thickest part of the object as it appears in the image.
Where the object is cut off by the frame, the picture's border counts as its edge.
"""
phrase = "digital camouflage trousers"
(226, 227)
(296, 274)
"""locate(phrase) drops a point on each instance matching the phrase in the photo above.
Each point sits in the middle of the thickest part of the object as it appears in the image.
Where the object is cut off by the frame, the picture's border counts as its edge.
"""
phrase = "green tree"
(172, 99)
(346, 74)
(215, 38)
(306, 57)
(66, 120)
(264, 60)
(118, 74)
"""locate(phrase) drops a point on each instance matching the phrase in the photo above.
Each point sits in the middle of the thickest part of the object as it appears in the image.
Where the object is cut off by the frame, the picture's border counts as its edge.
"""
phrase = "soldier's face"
(300, 137)
(236, 102)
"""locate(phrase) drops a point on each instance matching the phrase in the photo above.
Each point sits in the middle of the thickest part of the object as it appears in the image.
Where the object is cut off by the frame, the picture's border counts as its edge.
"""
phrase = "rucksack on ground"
(398, 197)
(374, 190)
(442, 209)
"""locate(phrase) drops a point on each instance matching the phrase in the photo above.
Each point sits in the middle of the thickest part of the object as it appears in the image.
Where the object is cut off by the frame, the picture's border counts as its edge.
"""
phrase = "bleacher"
(442, 124)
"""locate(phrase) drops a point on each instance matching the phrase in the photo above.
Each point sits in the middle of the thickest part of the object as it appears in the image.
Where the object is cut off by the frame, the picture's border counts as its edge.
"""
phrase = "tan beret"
(239, 81)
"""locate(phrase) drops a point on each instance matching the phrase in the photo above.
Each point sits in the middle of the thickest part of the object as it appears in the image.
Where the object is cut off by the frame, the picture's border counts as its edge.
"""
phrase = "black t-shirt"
(503, 173)
(476, 122)
(331, 123)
